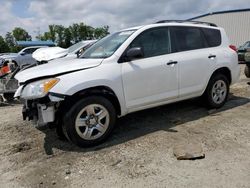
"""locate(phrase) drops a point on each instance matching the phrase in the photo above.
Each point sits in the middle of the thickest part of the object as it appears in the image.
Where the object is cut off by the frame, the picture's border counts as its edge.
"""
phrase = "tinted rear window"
(187, 38)
(212, 36)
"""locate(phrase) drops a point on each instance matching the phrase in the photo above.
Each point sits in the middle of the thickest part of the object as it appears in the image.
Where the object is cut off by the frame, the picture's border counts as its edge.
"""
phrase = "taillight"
(233, 48)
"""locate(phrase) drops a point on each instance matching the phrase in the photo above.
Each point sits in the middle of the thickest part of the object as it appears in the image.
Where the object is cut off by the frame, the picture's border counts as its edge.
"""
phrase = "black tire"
(247, 71)
(9, 96)
(208, 95)
(69, 127)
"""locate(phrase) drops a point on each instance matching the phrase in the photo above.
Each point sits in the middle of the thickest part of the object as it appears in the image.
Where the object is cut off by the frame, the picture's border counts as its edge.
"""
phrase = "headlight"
(38, 89)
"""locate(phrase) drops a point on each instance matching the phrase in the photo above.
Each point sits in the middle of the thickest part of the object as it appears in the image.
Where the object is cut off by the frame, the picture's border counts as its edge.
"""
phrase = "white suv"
(127, 71)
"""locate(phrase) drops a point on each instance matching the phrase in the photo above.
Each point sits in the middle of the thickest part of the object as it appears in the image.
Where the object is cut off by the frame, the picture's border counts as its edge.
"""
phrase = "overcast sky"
(35, 15)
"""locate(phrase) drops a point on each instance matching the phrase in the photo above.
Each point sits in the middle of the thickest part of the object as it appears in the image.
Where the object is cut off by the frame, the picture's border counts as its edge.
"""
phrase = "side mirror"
(79, 52)
(22, 53)
(134, 53)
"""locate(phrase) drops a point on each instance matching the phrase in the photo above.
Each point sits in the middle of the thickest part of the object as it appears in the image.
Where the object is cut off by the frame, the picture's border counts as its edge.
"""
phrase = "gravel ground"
(140, 151)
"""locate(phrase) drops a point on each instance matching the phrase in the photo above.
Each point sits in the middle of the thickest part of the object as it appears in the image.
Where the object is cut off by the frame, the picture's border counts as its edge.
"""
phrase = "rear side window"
(187, 38)
(213, 37)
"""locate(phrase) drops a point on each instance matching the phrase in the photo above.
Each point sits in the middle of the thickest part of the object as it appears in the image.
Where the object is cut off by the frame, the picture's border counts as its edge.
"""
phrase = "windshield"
(108, 45)
(74, 47)
(246, 45)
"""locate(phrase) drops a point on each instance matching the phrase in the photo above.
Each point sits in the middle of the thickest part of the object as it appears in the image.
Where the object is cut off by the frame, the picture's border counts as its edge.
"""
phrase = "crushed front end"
(39, 104)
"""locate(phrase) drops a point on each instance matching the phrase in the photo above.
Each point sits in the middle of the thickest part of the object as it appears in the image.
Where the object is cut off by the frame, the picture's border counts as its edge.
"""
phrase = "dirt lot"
(140, 152)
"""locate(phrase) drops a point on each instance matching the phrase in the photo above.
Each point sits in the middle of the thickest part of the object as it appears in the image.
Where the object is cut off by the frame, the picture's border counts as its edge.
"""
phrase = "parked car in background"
(130, 70)
(47, 54)
(20, 59)
(242, 50)
(247, 62)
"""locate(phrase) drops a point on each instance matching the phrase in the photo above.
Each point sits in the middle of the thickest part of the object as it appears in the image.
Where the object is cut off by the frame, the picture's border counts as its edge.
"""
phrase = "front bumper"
(42, 110)
(40, 113)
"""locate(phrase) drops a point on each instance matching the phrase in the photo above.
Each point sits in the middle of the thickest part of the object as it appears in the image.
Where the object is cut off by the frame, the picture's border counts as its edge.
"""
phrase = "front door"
(153, 78)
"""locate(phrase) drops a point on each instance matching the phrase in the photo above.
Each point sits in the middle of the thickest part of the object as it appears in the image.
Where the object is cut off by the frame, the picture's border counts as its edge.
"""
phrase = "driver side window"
(153, 42)
(30, 50)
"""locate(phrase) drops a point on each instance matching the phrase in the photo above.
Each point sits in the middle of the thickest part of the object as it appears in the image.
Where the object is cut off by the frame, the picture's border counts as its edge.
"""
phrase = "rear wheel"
(247, 71)
(90, 121)
(217, 91)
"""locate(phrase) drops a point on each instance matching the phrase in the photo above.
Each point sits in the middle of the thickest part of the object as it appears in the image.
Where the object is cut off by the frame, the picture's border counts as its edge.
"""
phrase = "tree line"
(62, 36)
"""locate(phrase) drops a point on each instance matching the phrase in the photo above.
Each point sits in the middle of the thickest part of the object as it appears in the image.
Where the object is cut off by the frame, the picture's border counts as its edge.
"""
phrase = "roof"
(220, 12)
(35, 43)
(186, 21)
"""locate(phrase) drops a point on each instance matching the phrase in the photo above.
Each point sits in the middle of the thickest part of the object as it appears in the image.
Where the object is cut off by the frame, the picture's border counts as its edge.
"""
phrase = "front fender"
(73, 83)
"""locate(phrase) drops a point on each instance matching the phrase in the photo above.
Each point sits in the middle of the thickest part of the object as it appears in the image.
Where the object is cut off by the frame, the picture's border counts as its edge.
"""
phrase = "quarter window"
(154, 42)
(212, 36)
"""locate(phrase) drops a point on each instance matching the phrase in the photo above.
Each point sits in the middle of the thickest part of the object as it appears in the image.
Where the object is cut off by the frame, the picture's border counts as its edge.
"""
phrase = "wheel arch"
(225, 71)
(222, 70)
(102, 90)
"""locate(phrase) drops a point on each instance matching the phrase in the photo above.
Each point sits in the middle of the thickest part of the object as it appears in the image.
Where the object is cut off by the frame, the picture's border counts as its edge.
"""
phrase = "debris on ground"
(189, 151)
(68, 171)
(20, 147)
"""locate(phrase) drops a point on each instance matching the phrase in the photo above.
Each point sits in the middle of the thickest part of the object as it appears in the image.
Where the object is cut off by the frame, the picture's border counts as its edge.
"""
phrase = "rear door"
(195, 59)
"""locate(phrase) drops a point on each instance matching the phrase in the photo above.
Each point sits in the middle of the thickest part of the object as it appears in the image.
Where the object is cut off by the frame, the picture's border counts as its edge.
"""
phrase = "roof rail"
(187, 21)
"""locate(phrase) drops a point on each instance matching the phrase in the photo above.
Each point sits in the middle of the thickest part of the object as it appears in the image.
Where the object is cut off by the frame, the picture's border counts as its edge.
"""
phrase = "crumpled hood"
(47, 54)
(56, 67)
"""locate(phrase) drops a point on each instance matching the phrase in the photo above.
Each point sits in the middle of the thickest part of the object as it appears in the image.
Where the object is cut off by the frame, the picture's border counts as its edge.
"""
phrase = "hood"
(8, 55)
(56, 68)
(47, 54)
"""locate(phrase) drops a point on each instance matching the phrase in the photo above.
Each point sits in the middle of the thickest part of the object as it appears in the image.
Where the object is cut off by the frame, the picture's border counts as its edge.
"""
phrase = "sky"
(35, 15)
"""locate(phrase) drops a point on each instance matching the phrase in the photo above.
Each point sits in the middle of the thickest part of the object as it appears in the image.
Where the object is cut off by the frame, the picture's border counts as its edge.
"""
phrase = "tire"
(217, 91)
(247, 71)
(9, 96)
(90, 121)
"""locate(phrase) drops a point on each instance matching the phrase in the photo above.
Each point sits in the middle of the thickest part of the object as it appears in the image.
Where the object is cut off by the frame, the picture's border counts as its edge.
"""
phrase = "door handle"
(172, 62)
(211, 56)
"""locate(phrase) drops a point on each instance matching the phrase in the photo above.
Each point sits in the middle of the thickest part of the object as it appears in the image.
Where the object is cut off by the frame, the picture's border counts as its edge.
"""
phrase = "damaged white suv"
(128, 71)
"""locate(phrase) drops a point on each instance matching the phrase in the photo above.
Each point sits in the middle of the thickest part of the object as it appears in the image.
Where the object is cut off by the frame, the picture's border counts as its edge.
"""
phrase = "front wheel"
(90, 121)
(217, 91)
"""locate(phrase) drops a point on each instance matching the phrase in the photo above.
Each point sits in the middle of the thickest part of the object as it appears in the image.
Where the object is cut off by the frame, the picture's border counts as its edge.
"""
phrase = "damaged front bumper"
(42, 111)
